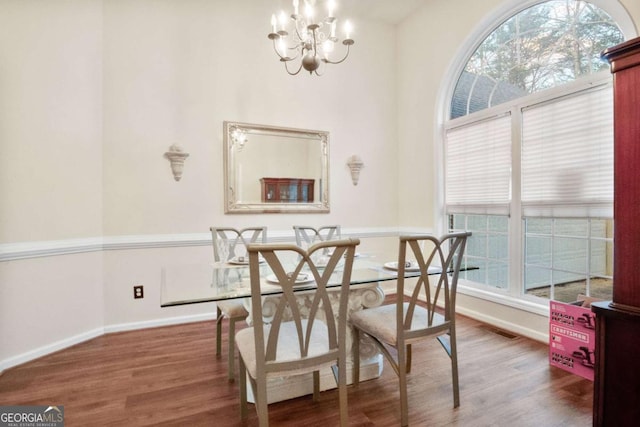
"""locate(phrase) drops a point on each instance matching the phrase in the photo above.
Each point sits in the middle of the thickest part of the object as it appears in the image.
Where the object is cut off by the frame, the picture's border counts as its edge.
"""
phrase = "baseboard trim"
(50, 348)
(156, 323)
(97, 332)
(502, 324)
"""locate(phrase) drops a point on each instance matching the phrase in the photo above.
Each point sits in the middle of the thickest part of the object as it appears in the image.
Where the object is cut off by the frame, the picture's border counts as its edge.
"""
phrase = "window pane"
(601, 228)
(601, 254)
(538, 251)
(479, 275)
(572, 227)
(471, 186)
(497, 274)
(537, 278)
(570, 254)
(539, 225)
(477, 222)
(566, 261)
(477, 245)
(601, 288)
(498, 247)
(459, 222)
(567, 155)
(487, 249)
(498, 223)
(569, 290)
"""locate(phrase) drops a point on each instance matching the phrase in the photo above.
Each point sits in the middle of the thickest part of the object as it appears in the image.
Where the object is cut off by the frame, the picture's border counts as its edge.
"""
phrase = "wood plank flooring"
(170, 376)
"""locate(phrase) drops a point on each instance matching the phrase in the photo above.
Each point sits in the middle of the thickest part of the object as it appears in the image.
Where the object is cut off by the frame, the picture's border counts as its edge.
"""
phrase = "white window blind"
(567, 156)
(478, 167)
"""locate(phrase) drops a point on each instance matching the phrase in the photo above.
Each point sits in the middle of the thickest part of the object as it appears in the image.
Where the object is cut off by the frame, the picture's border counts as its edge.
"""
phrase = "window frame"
(515, 287)
(514, 295)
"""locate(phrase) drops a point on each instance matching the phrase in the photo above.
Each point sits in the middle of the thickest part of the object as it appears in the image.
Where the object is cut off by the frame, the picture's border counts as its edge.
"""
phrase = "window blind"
(567, 156)
(478, 167)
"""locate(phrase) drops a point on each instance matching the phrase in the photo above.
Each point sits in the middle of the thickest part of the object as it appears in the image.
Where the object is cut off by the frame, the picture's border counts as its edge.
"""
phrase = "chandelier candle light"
(313, 41)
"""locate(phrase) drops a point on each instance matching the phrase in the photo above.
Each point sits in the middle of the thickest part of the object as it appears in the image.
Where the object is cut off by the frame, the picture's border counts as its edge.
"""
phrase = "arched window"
(541, 47)
(529, 153)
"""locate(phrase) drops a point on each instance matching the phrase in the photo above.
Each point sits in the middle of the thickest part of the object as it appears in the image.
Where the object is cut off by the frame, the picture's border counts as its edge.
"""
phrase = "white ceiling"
(389, 11)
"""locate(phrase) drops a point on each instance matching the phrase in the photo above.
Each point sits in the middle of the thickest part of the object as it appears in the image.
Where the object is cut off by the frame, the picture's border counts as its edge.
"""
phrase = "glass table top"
(198, 283)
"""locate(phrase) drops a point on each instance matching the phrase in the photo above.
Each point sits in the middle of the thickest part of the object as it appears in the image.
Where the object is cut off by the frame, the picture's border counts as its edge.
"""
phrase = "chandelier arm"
(289, 72)
(337, 62)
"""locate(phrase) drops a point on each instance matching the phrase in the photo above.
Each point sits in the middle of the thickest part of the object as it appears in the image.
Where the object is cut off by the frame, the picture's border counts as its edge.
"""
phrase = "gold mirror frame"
(285, 153)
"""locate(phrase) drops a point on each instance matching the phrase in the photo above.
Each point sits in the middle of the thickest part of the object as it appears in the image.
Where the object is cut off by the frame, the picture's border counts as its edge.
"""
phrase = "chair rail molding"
(26, 250)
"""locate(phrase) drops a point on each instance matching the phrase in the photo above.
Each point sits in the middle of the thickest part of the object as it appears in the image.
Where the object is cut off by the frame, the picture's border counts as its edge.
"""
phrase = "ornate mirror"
(270, 169)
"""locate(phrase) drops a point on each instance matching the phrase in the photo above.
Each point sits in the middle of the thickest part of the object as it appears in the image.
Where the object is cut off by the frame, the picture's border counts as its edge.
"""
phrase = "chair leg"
(408, 358)
(402, 380)
(231, 350)
(242, 372)
(260, 396)
(342, 393)
(454, 368)
(219, 318)
(356, 356)
(316, 385)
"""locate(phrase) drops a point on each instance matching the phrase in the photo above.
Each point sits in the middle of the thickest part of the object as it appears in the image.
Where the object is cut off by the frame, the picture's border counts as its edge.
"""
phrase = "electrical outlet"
(138, 292)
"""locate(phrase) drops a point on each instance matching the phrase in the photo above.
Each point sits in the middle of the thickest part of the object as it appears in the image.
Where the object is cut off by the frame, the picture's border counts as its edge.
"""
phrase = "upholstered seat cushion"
(233, 308)
(288, 345)
(381, 321)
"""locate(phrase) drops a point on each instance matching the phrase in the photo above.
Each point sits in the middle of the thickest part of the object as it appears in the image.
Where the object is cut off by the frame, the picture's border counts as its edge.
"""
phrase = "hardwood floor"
(170, 376)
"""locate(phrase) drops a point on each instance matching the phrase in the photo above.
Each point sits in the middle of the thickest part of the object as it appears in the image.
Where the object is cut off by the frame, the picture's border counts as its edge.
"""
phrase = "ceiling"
(389, 11)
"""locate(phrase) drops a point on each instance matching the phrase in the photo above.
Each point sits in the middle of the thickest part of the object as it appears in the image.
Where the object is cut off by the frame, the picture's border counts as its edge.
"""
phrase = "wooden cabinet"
(287, 190)
(617, 375)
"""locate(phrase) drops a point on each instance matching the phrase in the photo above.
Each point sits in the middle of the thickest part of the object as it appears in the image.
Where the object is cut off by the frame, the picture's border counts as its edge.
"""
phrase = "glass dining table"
(202, 283)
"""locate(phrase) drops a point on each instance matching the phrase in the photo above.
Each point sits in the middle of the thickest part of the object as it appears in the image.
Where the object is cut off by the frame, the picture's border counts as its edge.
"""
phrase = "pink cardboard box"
(572, 330)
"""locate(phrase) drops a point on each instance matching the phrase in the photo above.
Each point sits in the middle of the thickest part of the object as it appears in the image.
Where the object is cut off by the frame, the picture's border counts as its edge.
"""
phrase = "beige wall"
(50, 120)
(50, 173)
(94, 92)
(175, 70)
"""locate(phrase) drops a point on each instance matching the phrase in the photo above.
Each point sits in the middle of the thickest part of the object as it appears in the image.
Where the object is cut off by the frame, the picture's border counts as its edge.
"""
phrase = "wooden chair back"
(429, 254)
(307, 235)
(228, 240)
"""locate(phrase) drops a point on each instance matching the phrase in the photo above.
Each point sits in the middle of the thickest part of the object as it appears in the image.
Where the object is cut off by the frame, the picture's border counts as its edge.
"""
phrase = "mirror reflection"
(272, 169)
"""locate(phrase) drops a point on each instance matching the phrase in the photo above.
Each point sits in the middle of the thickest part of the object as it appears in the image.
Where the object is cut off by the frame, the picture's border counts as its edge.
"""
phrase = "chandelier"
(311, 41)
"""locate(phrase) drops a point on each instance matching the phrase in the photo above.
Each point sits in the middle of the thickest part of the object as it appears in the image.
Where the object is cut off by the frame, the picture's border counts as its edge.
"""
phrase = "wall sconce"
(176, 156)
(355, 164)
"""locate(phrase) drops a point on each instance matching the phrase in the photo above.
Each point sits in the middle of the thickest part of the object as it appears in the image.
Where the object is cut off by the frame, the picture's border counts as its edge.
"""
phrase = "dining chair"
(399, 325)
(307, 235)
(294, 340)
(228, 244)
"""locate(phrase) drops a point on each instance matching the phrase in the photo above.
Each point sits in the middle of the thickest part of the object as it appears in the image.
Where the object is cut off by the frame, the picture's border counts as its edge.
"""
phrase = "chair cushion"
(233, 308)
(380, 322)
(288, 347)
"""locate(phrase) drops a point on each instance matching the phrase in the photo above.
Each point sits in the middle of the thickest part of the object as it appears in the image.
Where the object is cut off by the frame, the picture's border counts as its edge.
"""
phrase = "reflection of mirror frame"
(231, 203)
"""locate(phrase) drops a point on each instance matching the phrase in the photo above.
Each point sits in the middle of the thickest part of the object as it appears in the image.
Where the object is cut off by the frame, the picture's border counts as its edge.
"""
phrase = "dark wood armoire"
(617, 375)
